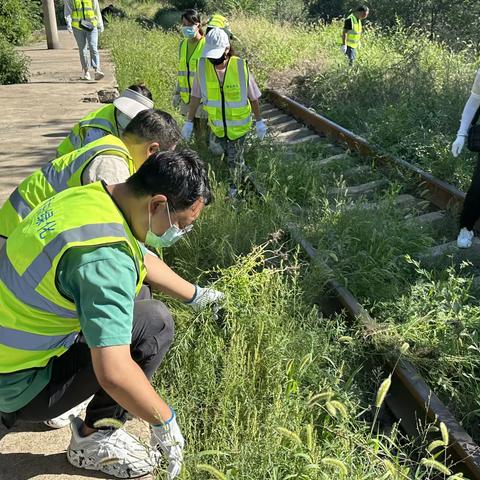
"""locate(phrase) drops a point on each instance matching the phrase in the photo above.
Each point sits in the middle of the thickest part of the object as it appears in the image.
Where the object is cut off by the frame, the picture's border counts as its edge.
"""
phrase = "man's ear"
(157, 201)
(153, 147)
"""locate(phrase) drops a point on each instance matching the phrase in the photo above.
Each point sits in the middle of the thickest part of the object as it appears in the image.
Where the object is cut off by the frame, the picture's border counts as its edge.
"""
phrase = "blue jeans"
(88, 39)
(351, 53)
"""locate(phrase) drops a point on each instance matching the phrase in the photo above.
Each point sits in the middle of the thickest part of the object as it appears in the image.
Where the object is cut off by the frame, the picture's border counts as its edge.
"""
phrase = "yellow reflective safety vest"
(36, 321)
(62, 173)
(188, 67)
(353, 36)
(103, 120)
(217, 21)
(228, 107)
(83, 9)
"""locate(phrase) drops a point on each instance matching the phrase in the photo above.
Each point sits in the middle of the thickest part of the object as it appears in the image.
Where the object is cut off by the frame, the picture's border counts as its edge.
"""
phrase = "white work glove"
(457, 145)
(261, 129)
(168, 439)
(187, 130)
(343, 48)
(101, 28)
(204, 297)
(69, 25)
(176, 100)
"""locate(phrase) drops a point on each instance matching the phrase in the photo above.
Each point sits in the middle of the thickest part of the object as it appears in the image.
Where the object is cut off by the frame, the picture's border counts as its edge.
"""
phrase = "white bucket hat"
(216, 41)
(130, 103)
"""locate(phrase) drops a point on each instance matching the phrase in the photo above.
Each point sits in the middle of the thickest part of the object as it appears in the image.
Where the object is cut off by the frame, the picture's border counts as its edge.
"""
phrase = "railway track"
(409, 398)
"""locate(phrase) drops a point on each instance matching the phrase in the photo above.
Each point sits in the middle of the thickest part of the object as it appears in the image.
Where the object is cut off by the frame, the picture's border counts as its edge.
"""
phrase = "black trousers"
(73, 379)
(471, 207)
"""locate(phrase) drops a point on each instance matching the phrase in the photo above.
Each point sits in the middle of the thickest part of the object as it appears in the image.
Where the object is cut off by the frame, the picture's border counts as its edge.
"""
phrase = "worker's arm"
(256, 109)
(128, 385)
(344, 37)
(162, 278)
(192, 108)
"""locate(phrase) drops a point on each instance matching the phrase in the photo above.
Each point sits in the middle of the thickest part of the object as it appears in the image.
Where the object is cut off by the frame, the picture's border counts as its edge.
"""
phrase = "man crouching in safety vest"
(75, 320)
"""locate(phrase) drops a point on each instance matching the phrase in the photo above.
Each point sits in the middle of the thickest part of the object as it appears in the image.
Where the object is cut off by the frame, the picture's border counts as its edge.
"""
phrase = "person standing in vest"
(109, 158)
(219, 21)
(190, 51)
(109, 119)
(352, 31)
(76, 320)
(471, 206)
(229, 95)
(84, 20)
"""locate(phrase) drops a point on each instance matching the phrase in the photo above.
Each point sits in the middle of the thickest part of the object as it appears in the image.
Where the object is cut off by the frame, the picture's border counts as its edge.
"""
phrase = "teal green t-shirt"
(101, 281)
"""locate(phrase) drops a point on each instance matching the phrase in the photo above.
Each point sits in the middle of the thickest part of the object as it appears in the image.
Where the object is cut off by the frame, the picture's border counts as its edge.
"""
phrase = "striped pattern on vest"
(102, 119)
(353, 36)
(83, 9)
(36, 321)
(58, 175)
(188, 67)
(228, 107)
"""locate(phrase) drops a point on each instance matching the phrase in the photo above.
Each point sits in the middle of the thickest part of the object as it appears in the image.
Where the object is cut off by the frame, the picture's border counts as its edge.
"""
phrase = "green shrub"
(18, 19)
(13, 65)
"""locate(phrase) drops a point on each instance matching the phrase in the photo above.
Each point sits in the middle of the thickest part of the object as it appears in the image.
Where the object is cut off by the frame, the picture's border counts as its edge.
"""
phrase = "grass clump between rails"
(264, 391)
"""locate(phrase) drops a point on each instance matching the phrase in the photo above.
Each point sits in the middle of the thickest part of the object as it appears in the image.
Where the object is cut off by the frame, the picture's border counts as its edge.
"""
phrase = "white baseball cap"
(130, 103)
(216, 41)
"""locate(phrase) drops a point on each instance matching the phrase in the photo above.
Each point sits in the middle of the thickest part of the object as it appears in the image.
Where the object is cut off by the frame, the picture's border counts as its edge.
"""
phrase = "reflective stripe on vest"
(228, 107)
(103, 118)
(83, 10)
(36, 321)
(353, 36)
(58, 175)
(188, 67)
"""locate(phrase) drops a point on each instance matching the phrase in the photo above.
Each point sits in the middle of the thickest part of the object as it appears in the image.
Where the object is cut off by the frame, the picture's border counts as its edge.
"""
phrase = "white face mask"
(122, 121)
(172, 235)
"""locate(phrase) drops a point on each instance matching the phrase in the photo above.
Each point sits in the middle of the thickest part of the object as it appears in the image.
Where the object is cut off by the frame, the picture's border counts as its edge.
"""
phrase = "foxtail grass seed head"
(320, 397)
(290, 435)
(444, 430)
(334, 462)
(382, 391)
(390, 468)
(203, 467)
(434, 445)
(109, 461)
(310, 436)
(434, 465)
(108, 422)
(340, 407)
(404, 348)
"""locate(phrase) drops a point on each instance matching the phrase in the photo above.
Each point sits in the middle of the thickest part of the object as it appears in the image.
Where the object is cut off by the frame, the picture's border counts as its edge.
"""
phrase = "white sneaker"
(64, 419)
(86, 76)
(99, 75)
(113, 452)
(465, 237)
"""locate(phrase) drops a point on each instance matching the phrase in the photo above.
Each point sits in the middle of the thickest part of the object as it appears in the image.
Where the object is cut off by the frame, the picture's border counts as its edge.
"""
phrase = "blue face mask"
(189, 32)
(172, 235)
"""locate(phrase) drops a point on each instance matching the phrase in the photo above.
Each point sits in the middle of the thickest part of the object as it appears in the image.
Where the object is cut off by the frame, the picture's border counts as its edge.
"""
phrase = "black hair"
(155, 126)
(141, 89)
(180, 176)
(362, 8)
(192, 16)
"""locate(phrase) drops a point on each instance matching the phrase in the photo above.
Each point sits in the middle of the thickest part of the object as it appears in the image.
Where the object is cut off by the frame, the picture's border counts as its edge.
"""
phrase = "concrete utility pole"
(50, 21)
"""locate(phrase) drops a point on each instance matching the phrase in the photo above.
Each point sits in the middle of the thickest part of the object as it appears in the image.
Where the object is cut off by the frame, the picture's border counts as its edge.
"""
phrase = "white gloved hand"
(457, 145)
(69, 27)
(168, 439)
(343, 48)
(176, 100)
(187, 130)
(261, 129)
(204, 297)
(101, 29)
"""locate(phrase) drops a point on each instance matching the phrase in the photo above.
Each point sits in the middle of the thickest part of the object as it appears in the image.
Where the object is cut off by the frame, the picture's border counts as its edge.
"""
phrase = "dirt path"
(35, 117)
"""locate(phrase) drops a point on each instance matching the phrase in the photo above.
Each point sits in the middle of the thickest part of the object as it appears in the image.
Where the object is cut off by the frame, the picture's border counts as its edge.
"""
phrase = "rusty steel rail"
(410, 398)
(441, 194)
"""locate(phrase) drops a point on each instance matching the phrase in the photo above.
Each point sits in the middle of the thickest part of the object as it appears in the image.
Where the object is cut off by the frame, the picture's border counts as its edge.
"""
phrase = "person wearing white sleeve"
(84, 20)
(471, 206)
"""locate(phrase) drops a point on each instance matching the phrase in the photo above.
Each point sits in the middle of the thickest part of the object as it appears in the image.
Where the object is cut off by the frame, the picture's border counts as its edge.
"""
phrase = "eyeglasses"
(182, 231)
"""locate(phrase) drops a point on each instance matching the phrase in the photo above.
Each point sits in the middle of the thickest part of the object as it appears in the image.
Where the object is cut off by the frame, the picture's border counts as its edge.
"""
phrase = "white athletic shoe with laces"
(64, 419)
(113, 452)
(465, 238)
(86, 76)
(99, 75)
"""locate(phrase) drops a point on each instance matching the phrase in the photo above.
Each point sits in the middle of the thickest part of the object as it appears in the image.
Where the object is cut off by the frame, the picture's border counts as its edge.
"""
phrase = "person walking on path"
(109, 119)
(352, 31)
(190, 51)
(471, 206)
(74, 310)
(84, 20)
(227, 89)
(109, 158)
